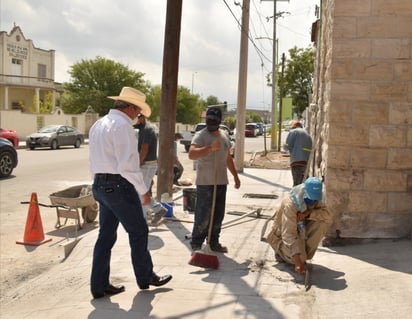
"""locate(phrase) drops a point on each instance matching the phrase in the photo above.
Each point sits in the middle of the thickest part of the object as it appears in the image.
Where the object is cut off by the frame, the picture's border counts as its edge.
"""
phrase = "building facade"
(26, 73)
(361, 116)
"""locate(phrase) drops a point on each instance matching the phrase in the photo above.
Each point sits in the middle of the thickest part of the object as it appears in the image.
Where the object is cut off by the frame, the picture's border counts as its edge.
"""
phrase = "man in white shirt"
(118, 181)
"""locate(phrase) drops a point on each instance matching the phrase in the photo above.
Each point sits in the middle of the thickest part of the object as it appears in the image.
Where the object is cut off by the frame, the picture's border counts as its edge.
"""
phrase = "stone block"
(370, 113)
(400, 158)
(385, 181)
(384, 27)
(400, 113)
(344, 27)
(336, 201)
(400, 202)
(391, 48)
(387, 136)
(389, 91)
(367, 202)
(341, 112)
(375, 225)
(362, 69)
(339, 156)
(398, 7)
(368, 158)
(346, 8)
(403, 70)
(346, 134)
(351, 48)
(409, 183)
(344, 180)
(409, 138)
(350, 91)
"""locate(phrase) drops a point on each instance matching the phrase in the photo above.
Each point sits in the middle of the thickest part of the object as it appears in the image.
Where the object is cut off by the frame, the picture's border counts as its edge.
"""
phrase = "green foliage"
(212, 100)
(45, 106)
(297, 81)
(188, 108)
(230, 122)
(253, 117)
(154, 99)
(188, 105)
(94, 80)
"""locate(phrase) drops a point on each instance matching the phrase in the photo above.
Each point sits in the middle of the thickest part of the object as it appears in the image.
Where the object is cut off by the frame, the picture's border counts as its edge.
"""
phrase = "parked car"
(261, 128)
(8, 157)
(251, 129)
(10, 135)
(54, 136)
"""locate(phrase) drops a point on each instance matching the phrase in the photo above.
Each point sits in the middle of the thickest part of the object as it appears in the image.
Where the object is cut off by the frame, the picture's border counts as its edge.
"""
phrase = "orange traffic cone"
(33, 235)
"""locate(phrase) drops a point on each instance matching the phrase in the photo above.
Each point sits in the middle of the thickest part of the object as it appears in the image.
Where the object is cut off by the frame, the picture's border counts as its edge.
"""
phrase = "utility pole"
(281, 101)
(273, 143)
(169, 92)
(242, 85)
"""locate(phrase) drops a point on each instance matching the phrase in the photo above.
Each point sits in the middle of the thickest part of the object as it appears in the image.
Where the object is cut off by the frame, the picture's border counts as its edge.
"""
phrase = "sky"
(131, 32)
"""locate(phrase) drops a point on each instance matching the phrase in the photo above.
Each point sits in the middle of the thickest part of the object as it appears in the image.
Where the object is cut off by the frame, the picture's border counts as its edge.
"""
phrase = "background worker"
(177, 166)
(114, 164)
(147, 148)
(299, 144)
(205, 144)
(302, 207)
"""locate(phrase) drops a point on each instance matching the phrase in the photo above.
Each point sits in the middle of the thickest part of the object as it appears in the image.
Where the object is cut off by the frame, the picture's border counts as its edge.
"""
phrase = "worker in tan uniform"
(299, 224)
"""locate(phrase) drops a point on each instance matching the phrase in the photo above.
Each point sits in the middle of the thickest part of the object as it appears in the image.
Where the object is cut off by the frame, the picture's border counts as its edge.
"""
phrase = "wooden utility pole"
(242, 85)
(169, 93)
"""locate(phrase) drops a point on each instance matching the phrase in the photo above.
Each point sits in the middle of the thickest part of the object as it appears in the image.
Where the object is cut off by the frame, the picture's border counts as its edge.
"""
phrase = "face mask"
(212, 125)
(309, 202)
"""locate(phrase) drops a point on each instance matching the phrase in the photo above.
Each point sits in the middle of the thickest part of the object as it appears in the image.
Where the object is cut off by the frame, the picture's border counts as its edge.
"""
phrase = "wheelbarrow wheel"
(89, 213)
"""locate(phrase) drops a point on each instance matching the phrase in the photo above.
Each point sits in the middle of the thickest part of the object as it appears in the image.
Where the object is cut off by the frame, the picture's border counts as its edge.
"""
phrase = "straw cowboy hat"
(134, 97)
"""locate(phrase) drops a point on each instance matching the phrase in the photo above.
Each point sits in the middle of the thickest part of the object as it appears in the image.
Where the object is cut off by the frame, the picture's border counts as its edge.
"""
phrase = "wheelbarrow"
(73, 200)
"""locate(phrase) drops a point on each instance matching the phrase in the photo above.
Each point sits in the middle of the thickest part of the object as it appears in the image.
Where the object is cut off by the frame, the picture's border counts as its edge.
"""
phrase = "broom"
(205, 257)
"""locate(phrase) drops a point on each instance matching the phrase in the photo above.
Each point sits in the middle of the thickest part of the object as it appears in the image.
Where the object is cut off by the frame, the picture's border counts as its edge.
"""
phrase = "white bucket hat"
(134, 97)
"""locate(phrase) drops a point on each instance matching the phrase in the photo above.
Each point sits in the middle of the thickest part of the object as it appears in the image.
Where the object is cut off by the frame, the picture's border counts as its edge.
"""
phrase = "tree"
(155, 100)
(212, 100)
(297, 80)
(94, 80)
(189, 107)
(253, 117)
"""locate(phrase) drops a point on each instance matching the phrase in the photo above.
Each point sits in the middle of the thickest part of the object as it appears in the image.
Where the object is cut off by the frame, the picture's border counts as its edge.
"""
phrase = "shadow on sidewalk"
(392, 254)
(265, 181)
(230, 277)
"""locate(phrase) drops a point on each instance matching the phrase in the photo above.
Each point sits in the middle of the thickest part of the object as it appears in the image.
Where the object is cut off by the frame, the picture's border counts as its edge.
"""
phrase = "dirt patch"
(270, 160)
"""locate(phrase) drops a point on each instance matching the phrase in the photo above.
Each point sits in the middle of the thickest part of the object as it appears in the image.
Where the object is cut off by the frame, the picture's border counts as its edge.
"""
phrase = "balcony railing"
(29, 81)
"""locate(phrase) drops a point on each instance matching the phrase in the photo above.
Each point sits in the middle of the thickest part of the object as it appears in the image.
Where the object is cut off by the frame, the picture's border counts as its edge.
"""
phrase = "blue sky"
(132, 32)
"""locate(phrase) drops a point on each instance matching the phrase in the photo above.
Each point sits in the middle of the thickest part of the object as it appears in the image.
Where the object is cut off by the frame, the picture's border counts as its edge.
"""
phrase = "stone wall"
(361, 118)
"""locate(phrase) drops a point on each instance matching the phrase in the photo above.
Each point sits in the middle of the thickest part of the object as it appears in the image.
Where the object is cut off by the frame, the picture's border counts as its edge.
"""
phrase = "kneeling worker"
(299, 224)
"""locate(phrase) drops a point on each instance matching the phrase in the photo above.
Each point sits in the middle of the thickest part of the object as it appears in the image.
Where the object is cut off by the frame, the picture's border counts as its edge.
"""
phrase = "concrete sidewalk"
(372, 280)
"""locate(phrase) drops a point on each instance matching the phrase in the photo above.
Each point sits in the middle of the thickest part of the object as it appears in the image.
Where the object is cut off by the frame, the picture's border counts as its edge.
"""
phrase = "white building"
(26, 73)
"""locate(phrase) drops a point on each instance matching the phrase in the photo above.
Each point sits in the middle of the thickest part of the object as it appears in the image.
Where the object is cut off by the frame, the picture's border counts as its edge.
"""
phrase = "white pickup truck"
(187, 139)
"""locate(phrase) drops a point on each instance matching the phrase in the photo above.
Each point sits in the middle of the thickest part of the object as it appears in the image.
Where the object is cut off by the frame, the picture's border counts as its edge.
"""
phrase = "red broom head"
(204, 260)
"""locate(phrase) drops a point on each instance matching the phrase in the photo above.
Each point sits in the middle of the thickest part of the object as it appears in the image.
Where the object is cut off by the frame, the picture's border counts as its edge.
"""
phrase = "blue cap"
(313, 187)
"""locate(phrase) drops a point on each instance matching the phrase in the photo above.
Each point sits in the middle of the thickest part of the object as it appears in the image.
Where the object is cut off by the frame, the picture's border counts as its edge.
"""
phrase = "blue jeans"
(204, 194)
(119, 202)
(149, 171)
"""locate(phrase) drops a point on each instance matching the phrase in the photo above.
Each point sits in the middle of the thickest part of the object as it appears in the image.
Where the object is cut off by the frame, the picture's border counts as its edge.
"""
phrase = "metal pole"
(273, 131)
(273, 143)
(281, 101)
